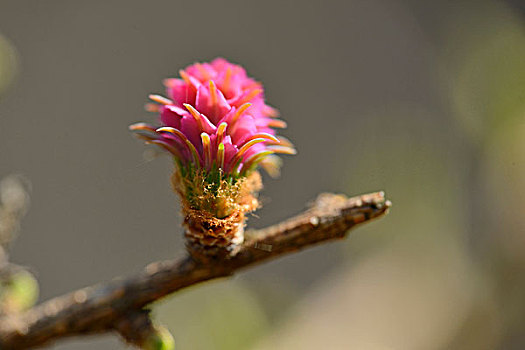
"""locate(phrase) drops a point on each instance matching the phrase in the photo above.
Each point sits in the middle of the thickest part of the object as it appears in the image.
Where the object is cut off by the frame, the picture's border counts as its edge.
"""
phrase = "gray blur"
(369, 92)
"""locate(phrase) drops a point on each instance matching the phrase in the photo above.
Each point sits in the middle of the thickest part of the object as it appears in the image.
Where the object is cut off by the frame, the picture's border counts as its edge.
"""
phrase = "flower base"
(214, 221)
(208, 237)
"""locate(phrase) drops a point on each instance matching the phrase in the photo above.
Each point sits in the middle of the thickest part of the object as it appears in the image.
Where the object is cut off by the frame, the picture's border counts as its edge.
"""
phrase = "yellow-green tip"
(19, 293)
(160, 339)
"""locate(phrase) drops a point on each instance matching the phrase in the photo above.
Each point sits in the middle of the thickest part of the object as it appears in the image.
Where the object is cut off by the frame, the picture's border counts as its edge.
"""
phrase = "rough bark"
(114, 306)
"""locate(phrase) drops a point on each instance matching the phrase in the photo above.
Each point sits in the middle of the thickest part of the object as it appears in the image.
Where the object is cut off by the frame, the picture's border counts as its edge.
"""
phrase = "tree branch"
(106, 307)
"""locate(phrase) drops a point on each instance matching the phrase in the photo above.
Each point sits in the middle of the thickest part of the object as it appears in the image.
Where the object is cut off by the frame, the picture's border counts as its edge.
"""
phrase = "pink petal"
(180, 92)
(204, 104)
(170, 116)
(190, 128)
(244, 126)
(229, 150)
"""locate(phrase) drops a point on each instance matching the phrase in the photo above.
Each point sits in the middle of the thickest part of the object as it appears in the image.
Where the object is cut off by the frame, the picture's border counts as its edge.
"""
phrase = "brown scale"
(209, 236)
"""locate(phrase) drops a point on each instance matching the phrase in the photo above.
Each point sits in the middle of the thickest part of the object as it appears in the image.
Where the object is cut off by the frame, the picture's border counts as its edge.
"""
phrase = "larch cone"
(219, 130)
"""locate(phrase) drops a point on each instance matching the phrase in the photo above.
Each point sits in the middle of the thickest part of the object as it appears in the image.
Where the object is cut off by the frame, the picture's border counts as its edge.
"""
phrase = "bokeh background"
(422, 99)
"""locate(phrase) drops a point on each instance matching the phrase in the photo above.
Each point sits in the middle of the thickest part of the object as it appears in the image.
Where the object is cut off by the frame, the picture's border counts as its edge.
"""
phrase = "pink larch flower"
(215, 123)
(215, 118)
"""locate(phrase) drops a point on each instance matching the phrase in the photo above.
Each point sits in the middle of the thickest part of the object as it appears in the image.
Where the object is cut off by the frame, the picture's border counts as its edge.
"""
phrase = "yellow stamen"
(146, 139)
(220, 131)
(227, 78)
(152, 107)
(249, 144)
(270, 111)
(283, 141)
(167, 147)
(277, 123)
(239, 112)
(160, 99)
(170, 130)
(194, 153)
(169, 82)
(263, 135)
(254, 160)
(237, 158)
(195, 115)
(214, 98)
(283, 149)
(213, 92)
(184, 139)
(250, 95)
(220, 156)
(185, 77)
(206, 146)
(141, 126)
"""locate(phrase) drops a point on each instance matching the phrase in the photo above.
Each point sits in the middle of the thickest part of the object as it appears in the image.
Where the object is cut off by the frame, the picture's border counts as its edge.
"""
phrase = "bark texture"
(115, 306)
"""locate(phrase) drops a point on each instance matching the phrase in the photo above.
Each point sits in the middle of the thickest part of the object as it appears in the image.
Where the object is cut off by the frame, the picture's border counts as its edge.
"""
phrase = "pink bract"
(215, 117)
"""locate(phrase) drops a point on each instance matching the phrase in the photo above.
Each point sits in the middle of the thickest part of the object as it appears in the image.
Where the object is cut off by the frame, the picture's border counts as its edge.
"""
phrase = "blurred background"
(422, 99)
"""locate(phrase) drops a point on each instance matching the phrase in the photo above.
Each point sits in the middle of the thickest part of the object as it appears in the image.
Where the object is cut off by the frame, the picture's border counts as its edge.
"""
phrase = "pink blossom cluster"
(215, 117)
